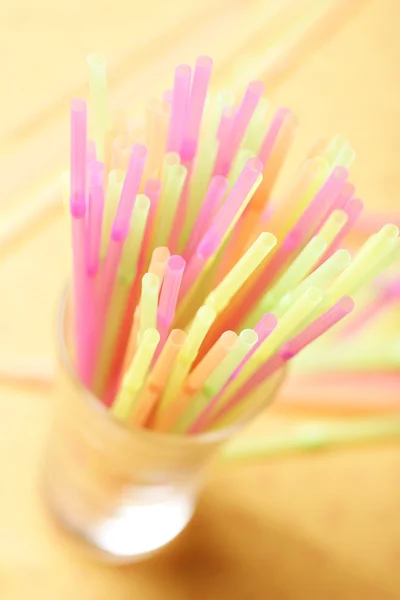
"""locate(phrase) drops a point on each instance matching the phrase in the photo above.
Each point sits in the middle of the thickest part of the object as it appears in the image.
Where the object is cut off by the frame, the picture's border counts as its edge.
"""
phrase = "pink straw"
(320, 326)
(212, 201)
(264, 327)
(388, 296)
(231, 142)
(179, 108)
(225, 123)
(221, 222)
(169, 298)
(78, 149)
(319, 207)
(353, 209)
(272, 135)
(198, 94)
(95, 215)
(130, 189)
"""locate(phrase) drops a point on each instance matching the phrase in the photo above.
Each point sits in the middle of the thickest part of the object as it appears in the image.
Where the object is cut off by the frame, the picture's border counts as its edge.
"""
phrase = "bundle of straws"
(191, 288)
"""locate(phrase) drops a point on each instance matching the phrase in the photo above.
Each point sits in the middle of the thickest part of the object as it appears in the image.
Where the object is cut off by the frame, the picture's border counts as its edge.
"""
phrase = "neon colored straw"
(333, 225)
(148, 303)
(95, 215)
(224, 220)
(216, 381)
(158, 378)
(152, 190)
(263, 329)
(129, 190)
(135, 376)
(229, 143)
(353, 210)
(197, 378)
(179, 108)
(114, 189)
(203, 320)
(99, 99)
(169, 296)
(158, 262)
(198, 93)
(212, 201)
(286, 353)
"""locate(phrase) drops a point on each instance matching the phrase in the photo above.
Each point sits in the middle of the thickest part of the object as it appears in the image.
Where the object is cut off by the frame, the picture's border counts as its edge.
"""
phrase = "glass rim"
(66, 363)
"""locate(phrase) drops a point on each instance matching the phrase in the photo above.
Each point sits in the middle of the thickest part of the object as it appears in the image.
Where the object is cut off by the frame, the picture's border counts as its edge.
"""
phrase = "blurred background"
(314, 515)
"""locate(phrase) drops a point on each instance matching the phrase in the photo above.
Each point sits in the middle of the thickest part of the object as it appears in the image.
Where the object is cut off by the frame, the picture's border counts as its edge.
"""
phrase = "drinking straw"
(152, 190)
(287, 325)
(169, 295)
(157, 378)
(307, 182)
(133, 245)
(173, 187)
(233, 137)
(300, 267)
(353, 210)
(203, 320)
(197, 378)
(79, 244)
(99, 99)
(339, 152)
(313, 331)
(179, 108)
(256, 129)
(148, 303)
(157, 116)
(115, 184)
(370, 252)
(198, 94)
(135, 376)
(95, 215)
(212, 201)
(323, 276)
(216, 381)
(130, 189)
(158, 262)
(314, 435)
(333, 225)
(263, 329)
(223, 222)
(232, 282)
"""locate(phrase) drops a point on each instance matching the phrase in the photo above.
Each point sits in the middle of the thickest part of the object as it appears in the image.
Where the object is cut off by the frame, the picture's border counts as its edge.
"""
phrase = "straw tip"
(151, 337)
(183, 71)
(347, 304)
(78, 105)
(248, 337)
(96, 60)
(176, 263)
(204, 62)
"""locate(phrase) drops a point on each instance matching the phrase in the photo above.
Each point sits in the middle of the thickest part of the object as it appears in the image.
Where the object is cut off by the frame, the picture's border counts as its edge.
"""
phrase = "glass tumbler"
(125, 492)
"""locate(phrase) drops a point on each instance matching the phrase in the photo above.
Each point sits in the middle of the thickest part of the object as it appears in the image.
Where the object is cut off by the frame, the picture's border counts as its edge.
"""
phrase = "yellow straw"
(333, 225)
(99, 100)
(239, 163)
(320, 278)
(113, 194)
(173, 179)
(370, 252)
(148, 303)
(245, 342)
(158, 262)
(202, 322)
(133, 244)
(136, 374)
(238, 275)
(307, 183)
(294, 316)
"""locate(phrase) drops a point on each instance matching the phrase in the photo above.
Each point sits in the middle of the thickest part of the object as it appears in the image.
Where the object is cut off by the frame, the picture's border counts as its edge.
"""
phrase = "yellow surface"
(309, 528)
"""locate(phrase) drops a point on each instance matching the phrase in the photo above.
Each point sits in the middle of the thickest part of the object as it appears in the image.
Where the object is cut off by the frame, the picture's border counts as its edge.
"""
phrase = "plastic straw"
(148, 303)
(158, 262)
(179, 108)
(230, 142)
(99, 99)
(215, 382)
(133, 245)
(169, 295)
(113, 194)
(198, 93)
(158, 378)
(135, 376)
(130, 190)
(95, 215)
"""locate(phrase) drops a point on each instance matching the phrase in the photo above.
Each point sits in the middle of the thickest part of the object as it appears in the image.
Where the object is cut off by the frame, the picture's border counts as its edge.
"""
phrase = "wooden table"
(323, 527)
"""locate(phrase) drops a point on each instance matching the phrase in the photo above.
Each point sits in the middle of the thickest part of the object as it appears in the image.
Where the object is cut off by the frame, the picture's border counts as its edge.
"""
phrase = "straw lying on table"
(190, 290)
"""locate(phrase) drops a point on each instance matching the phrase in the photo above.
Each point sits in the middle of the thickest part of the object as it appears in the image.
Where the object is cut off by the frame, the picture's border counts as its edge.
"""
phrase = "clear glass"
(125, 492)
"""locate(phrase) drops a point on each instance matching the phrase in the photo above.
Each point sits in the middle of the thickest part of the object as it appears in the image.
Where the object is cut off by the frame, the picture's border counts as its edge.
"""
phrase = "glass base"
(137, 531)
